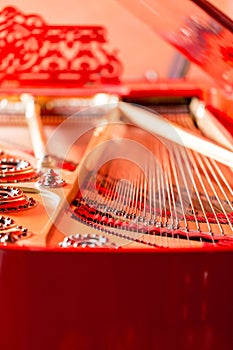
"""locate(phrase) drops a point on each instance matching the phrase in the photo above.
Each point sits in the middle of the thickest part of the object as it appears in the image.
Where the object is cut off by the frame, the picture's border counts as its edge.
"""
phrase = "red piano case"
(111, 265)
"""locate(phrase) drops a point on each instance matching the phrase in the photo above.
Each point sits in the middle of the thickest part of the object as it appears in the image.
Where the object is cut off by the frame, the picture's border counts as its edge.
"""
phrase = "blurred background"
(143, 53)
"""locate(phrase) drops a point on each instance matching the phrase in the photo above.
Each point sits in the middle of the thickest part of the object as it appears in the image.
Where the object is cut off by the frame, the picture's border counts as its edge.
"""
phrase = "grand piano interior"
(116, 186)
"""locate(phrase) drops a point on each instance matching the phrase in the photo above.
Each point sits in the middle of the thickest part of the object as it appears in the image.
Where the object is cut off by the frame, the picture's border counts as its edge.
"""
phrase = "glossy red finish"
(223, 117)
(195, 28)
(64, 299)
(116, 299)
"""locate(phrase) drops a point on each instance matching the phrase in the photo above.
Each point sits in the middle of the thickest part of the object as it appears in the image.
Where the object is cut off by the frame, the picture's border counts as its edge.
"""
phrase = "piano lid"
(196, 28)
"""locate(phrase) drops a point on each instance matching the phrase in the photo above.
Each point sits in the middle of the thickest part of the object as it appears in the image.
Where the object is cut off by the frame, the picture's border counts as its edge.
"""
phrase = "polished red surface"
(116, 299)
(86, 299)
